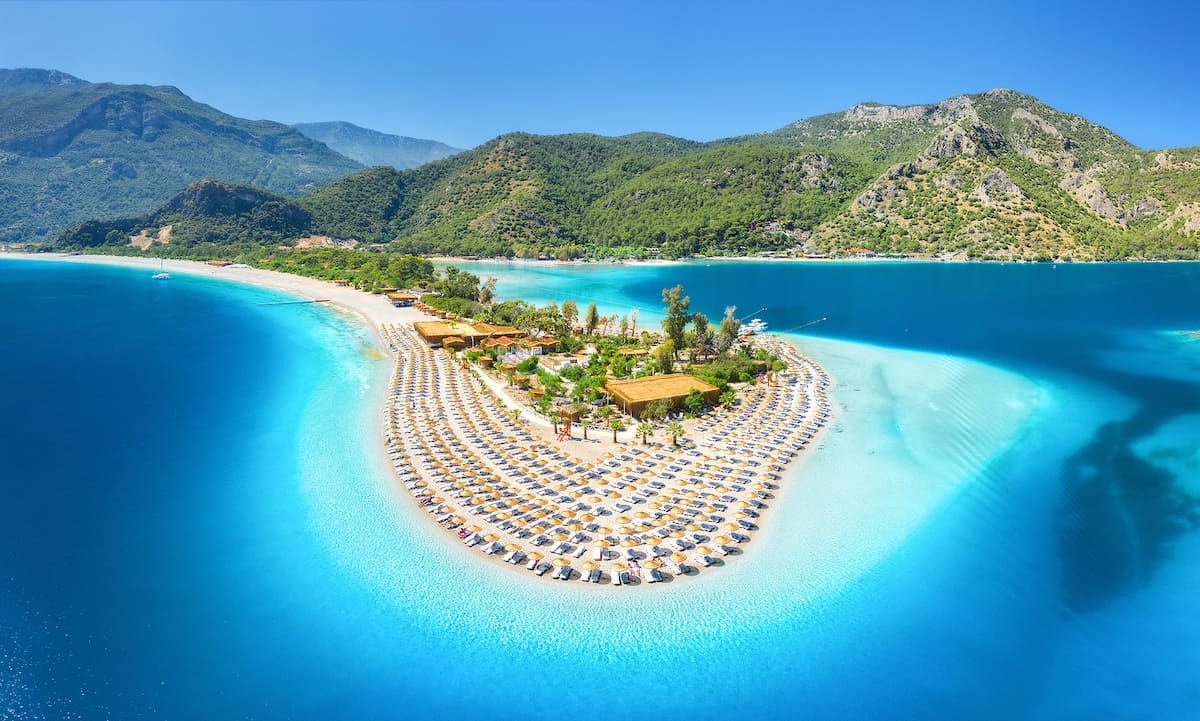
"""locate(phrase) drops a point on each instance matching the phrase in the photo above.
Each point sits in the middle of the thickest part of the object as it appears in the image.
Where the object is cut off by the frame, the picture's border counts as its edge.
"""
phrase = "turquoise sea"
(1001, 523)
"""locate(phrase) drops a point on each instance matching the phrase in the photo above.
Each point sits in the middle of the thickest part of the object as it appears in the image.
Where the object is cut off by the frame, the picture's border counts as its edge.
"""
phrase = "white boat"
(755, 326)
(161, 274)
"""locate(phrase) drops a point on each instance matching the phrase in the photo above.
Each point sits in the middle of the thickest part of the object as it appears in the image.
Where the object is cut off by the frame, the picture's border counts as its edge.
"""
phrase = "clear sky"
(465, 71)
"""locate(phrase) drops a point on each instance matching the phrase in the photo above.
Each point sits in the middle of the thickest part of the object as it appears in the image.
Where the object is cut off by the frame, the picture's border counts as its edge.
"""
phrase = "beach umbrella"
(732, 527)
(614, 494)
(602, 543)
(590, 565)
(478, 501)
(722, 540)
(678, 557)
(474, 528)
(618, 567)
(676, 534)
(535, 556)
(605, 530)
(561, 562)
(641, 514)
(652, 563)
(587, 518)
(457, 520)
(539, 514)
(653, 540)
(504, 515)
(622, 519)
(560, 536)
(491, 537)
(595, 499)
(641, 529)
(658, 522)
(692, 527)
(625, 530)
(512, 547)
(704, 550)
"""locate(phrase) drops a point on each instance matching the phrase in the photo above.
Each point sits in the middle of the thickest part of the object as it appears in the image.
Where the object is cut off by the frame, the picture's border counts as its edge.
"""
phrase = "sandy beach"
(562, 507)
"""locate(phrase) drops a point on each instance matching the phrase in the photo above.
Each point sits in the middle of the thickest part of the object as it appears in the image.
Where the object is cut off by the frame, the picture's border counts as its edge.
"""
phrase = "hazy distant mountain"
(371, 147)
(72, 150)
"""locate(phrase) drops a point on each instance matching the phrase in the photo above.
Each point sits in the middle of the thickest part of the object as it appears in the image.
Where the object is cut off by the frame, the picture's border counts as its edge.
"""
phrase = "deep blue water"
(192, 524)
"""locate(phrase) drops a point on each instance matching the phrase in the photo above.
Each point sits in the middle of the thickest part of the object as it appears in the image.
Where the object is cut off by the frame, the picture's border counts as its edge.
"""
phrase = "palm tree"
(516, 414)
(674, 431)
(645, 430)
(616, 425)
(584, 423)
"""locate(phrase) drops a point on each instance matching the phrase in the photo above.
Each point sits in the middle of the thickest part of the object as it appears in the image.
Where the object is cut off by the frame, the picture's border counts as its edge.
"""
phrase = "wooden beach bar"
(632, 396)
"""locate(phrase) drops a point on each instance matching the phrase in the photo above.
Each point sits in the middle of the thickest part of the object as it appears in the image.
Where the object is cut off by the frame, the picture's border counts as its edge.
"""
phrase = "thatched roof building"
(436, 331)
(632, 396)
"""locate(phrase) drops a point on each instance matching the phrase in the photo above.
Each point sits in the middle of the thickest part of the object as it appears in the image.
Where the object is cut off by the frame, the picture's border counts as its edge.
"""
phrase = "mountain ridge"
(72, 150)
(372, 147)
(992, 175)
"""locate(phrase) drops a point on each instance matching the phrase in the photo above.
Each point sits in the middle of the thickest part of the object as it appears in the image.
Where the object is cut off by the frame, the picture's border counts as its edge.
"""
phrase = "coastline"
(374, 310)
(380, 316)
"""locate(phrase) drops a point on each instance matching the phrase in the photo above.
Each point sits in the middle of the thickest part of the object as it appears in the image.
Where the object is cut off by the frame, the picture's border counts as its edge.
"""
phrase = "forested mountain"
(371, 147)
(994, 175)
(71, 150)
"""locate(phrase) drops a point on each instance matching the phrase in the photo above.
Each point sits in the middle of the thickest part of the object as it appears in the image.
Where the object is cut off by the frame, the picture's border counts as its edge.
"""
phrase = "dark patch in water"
(1120, 517)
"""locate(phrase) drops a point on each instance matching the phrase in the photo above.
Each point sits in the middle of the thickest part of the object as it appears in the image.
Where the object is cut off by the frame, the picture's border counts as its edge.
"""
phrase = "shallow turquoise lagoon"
(1001, 523)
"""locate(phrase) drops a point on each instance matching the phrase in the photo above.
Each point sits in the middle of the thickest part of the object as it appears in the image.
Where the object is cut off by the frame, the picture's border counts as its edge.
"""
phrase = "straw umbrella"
(491, 537)
(512, 547)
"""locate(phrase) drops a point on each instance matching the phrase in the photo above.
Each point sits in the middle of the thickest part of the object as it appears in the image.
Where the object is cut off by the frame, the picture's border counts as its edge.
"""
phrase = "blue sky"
(463, 72)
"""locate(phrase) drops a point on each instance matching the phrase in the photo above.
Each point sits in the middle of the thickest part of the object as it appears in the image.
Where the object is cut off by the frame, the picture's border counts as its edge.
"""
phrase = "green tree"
(645, 430)
(457, 283)
(727, 332)
(704, 344)
(616, 425)
(694, 401)
(675, 303)
(657, 408)
(674, 431)
(487, 292)
(664, 356)
(570, 312)
(584, 423)
(591, 319)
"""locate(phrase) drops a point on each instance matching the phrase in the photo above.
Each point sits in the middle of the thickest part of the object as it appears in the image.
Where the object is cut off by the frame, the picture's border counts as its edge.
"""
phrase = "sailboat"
(161, 274)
